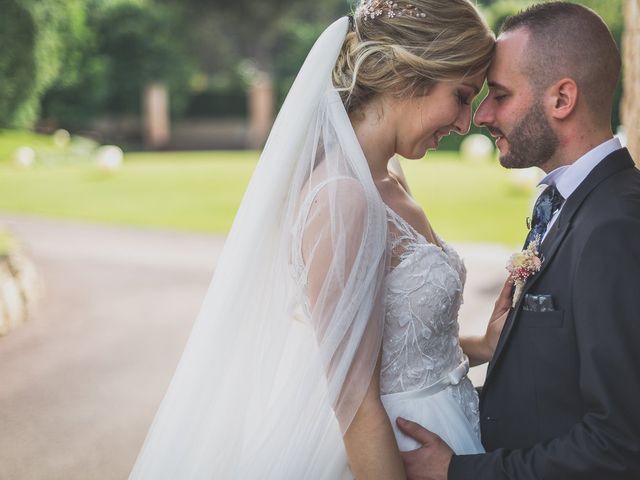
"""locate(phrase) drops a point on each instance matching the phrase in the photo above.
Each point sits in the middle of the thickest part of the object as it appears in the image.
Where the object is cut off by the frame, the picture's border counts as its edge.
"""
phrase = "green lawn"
(200, 191)
(10, 140)
(467, 201)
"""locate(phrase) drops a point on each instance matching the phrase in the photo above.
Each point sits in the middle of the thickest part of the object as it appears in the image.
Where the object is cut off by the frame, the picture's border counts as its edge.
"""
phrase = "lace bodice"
(423, 295)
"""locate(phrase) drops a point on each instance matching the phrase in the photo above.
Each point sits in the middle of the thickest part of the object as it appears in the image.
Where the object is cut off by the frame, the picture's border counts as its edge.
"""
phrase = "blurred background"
(128, 132)
(171, 74)
(152, 112)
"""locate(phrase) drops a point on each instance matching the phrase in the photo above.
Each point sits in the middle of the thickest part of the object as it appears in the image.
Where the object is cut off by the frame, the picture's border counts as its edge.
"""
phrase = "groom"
(562, 396)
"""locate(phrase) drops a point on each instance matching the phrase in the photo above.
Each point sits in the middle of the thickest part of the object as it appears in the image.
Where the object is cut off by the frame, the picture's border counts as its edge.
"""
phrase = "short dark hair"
(570, 40)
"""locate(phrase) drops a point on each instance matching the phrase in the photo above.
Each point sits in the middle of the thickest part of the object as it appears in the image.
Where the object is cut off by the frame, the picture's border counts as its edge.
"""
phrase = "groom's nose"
(484, 114)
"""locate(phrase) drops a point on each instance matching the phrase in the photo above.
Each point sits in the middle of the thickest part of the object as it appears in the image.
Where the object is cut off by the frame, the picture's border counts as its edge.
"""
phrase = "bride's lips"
(435, 140)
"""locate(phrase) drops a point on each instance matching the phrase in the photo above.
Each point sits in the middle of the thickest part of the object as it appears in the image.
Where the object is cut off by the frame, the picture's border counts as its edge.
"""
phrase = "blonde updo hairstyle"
(405, 55)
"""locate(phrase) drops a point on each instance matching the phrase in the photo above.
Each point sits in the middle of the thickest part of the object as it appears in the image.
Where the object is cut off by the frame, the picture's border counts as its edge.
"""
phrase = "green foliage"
(501, 9)
(132, 43)
(294, 42)
(39, 41)
(17, 60)
(611, 12)
(73, 105)
(248, 35)
(142, 44)
(76, 60)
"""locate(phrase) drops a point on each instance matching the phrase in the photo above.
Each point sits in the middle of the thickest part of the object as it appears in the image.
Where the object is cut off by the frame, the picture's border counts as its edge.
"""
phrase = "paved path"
(80, 382)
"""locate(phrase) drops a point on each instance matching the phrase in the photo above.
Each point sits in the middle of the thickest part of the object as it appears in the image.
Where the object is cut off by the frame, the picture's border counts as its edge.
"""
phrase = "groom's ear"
(563, 98)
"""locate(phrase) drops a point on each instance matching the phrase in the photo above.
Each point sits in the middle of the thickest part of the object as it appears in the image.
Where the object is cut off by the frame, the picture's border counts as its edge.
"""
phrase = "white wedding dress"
(423, 372)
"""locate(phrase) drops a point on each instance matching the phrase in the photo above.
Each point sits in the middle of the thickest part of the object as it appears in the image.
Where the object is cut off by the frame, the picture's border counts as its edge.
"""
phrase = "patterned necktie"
(548, 203)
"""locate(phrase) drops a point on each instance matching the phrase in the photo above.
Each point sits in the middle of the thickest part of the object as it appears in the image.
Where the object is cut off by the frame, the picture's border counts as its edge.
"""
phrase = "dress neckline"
(414, 231)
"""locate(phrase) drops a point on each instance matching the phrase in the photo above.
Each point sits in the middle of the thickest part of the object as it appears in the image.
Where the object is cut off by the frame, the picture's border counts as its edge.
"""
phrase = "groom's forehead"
(507, 64)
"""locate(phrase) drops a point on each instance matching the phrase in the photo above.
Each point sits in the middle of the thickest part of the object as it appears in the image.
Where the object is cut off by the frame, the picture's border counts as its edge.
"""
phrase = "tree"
(142, 44)
(133, 43)
(17, 61)
(226, 37)
(39, 40)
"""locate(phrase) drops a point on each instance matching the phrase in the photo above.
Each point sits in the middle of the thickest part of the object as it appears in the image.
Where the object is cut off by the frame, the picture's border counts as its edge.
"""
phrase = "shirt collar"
(569, 177)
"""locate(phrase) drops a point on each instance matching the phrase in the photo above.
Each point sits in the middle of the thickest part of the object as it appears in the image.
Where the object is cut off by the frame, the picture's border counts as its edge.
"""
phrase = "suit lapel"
(613, 163)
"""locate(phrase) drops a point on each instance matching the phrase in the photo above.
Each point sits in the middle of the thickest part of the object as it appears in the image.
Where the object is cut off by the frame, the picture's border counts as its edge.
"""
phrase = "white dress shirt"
(569, 177)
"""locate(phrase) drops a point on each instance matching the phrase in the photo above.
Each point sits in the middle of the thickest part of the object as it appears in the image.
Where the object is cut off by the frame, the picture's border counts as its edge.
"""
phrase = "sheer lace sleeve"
(344, 268)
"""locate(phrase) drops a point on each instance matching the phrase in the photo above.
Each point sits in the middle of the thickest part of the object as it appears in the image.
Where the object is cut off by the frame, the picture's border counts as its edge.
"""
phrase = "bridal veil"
(283, 349)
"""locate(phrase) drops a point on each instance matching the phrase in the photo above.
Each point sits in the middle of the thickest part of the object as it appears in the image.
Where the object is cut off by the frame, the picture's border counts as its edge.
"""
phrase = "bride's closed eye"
(462, 98)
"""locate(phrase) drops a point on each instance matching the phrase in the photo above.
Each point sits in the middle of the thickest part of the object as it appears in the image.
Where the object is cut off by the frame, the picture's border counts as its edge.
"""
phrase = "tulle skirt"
(440, 412)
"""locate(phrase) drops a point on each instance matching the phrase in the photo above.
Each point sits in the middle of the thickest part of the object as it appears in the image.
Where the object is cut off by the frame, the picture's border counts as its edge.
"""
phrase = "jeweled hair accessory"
(372, 9)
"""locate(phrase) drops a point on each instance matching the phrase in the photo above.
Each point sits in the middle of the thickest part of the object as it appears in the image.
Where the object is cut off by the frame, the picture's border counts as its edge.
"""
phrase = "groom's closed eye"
(497, 91)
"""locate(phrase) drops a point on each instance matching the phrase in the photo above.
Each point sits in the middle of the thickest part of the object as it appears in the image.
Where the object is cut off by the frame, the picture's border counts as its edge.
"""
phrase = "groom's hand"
(429, 462)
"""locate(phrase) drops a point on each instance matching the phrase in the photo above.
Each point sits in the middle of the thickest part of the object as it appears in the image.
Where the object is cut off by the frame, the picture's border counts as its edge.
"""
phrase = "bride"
(333, 308)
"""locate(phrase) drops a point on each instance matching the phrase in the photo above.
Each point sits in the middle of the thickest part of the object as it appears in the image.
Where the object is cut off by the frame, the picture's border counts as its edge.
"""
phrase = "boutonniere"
(522, 265)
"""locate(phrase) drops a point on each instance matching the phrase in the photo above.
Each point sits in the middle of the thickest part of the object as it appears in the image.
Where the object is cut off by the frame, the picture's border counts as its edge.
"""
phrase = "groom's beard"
(532, 142)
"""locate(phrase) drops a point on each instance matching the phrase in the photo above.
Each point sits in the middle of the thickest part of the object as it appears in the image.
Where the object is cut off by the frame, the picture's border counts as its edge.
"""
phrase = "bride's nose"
(463, 122)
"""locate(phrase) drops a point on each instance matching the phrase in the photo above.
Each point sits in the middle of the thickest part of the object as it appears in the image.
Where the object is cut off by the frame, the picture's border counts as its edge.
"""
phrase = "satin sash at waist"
(454, 377)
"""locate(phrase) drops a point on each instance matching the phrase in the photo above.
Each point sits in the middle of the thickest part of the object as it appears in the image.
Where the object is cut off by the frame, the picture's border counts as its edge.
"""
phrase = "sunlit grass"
(201, 191)
(186, 191)
(11, 140)
(467, 201)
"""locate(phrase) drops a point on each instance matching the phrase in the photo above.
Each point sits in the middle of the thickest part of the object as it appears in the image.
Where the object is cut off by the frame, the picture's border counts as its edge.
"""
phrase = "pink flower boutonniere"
(522, 265)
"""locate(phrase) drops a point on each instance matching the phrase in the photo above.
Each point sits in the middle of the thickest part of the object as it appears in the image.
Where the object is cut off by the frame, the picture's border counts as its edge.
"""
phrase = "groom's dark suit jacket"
(562, 396)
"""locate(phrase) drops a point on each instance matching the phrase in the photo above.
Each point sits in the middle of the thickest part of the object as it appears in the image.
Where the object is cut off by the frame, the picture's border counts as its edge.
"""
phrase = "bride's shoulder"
(335, 192)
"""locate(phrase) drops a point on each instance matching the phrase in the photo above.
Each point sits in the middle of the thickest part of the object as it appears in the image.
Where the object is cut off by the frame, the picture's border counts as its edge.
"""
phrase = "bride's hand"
(499, 316)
